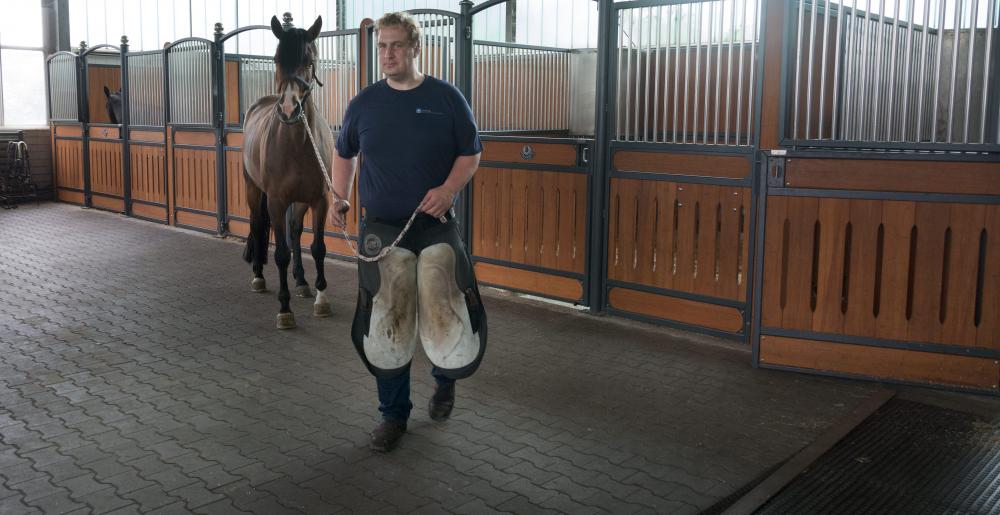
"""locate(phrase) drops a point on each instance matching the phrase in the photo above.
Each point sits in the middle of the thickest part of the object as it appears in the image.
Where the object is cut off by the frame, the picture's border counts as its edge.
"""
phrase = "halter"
(308, 87)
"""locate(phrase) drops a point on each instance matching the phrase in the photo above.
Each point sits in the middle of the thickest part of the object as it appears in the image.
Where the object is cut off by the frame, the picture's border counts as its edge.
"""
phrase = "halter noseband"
(307, 86)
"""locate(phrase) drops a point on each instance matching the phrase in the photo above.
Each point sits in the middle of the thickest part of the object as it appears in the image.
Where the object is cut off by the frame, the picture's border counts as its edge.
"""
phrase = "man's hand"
(338, 215)
(438, 201)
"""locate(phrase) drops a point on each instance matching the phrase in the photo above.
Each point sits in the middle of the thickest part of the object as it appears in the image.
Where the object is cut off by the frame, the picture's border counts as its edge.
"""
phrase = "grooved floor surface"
(139, 375)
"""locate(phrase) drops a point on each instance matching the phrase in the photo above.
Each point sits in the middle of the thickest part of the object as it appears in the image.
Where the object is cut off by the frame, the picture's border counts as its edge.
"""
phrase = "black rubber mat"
(907, 458)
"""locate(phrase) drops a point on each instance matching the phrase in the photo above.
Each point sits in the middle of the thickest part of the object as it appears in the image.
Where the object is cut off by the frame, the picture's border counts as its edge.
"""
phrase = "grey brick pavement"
(139, 375)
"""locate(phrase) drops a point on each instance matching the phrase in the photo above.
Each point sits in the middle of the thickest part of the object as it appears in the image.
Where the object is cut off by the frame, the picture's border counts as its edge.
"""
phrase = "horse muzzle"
(292, 119)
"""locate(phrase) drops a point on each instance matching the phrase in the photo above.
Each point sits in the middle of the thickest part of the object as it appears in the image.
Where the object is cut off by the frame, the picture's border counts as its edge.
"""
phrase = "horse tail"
(258, 232)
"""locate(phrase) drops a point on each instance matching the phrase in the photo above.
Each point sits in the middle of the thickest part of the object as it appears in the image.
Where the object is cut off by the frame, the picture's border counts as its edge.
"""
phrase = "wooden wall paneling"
(772, 35)
(572, 222)
(549, 220)
(236, 192)
(519, 215)
(663, 233)
(565, 288)
(535, 222)
(620, 247)
(834, 215)
(897, 221)
(988, 334)
(932, 223)
(966, 222)
(722, 318)
(232, 74)
(484, 203)
(802, 215)
(975, 178)
(774, 277)
(171, 204)
(703, 165)
(732, 244)
(686, 237)
(878, 362)
(147, 173)
(709, 207)
(97, 78)
(559, 154)
(865, 218)
(644, 247)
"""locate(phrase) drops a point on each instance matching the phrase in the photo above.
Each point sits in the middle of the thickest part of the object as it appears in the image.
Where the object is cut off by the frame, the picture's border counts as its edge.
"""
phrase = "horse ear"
(107, 92)
(314, 30)
(276, 27)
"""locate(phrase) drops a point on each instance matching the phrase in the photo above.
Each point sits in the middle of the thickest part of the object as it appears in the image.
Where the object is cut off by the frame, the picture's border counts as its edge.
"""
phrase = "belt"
(421, 219)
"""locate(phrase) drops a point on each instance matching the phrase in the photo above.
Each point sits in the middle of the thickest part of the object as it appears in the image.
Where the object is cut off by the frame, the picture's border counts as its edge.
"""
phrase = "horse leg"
(321, 308)
(282, 256)
(295, 223)
(255, 252)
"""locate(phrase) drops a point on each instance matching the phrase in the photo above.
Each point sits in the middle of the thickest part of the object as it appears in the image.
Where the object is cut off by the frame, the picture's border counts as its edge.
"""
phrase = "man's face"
(395, 53)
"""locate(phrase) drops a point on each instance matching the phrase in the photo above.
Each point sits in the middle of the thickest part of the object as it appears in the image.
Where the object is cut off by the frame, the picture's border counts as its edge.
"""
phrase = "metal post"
(463, 79)
(126, 119)
(83, 109)
(219, 119)
(596, 246)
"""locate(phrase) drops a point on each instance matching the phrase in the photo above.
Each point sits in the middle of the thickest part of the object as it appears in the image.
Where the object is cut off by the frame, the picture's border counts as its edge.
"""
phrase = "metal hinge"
(468, 33)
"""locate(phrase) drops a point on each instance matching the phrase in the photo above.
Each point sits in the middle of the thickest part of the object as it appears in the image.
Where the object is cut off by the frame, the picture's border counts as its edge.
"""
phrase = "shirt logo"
(424, 110)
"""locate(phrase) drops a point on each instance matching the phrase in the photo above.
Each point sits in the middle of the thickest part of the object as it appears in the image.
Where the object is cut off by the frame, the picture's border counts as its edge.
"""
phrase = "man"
(420, 147)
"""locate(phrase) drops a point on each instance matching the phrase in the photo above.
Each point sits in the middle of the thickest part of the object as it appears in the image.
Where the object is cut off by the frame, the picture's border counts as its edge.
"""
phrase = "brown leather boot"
(442, 402)
(385, 437)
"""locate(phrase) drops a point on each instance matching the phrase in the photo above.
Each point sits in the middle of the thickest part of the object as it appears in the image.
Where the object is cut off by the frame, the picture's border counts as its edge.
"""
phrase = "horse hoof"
(286, 321)
(258, 285)
(321, 308)
(303, 291)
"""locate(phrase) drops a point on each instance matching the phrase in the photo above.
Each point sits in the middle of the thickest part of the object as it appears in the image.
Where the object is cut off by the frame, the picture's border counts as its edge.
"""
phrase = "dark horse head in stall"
(114, 104)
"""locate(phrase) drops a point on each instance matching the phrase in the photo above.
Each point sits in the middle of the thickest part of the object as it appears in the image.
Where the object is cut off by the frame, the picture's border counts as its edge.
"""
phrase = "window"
(22, 65)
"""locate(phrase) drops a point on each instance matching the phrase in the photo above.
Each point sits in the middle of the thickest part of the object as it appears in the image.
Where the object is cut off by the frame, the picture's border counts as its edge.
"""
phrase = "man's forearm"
(461, 172)
(343, 176)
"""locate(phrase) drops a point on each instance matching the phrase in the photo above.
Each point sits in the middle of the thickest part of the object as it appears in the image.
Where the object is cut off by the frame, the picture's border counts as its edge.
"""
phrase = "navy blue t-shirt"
(409, 141)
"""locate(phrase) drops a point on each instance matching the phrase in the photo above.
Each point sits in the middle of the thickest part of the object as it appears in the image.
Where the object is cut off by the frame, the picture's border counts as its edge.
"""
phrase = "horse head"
(295, 60)
(114, 104)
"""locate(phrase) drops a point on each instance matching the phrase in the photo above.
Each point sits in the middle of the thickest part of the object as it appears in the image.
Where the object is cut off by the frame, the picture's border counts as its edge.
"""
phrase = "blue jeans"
(394, 394)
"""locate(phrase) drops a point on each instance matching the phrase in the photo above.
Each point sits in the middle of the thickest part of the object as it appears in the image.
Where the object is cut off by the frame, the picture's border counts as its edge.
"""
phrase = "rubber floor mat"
(907, 458)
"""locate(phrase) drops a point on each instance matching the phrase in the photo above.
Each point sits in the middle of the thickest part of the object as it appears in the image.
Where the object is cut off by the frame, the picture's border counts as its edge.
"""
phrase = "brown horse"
(281, 167)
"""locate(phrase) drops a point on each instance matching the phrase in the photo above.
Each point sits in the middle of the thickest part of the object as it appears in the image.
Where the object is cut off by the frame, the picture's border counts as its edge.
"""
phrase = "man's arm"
(438, 200)
(343, 181)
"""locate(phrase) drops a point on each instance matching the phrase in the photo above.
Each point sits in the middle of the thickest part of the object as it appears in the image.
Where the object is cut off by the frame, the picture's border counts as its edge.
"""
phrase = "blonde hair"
(404, 21)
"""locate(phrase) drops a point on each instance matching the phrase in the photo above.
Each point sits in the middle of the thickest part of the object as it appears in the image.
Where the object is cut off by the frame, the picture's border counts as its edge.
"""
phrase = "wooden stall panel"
(894, 175)
(236, 191)
(722, 318)
(69, 164)
(530, 217)
(564, 288)
(106, 172)
(894, 270)
(148, 177)
(881, 363)
(679, 236)
(99, 76)
(194, 179)
(560, 154)
(702, 165)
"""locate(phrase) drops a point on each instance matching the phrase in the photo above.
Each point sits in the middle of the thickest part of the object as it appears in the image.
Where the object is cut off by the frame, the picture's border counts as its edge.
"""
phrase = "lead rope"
(343, 229)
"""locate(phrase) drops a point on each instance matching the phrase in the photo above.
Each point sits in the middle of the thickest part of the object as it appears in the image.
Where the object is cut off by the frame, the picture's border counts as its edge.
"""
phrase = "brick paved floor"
(139, 374)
